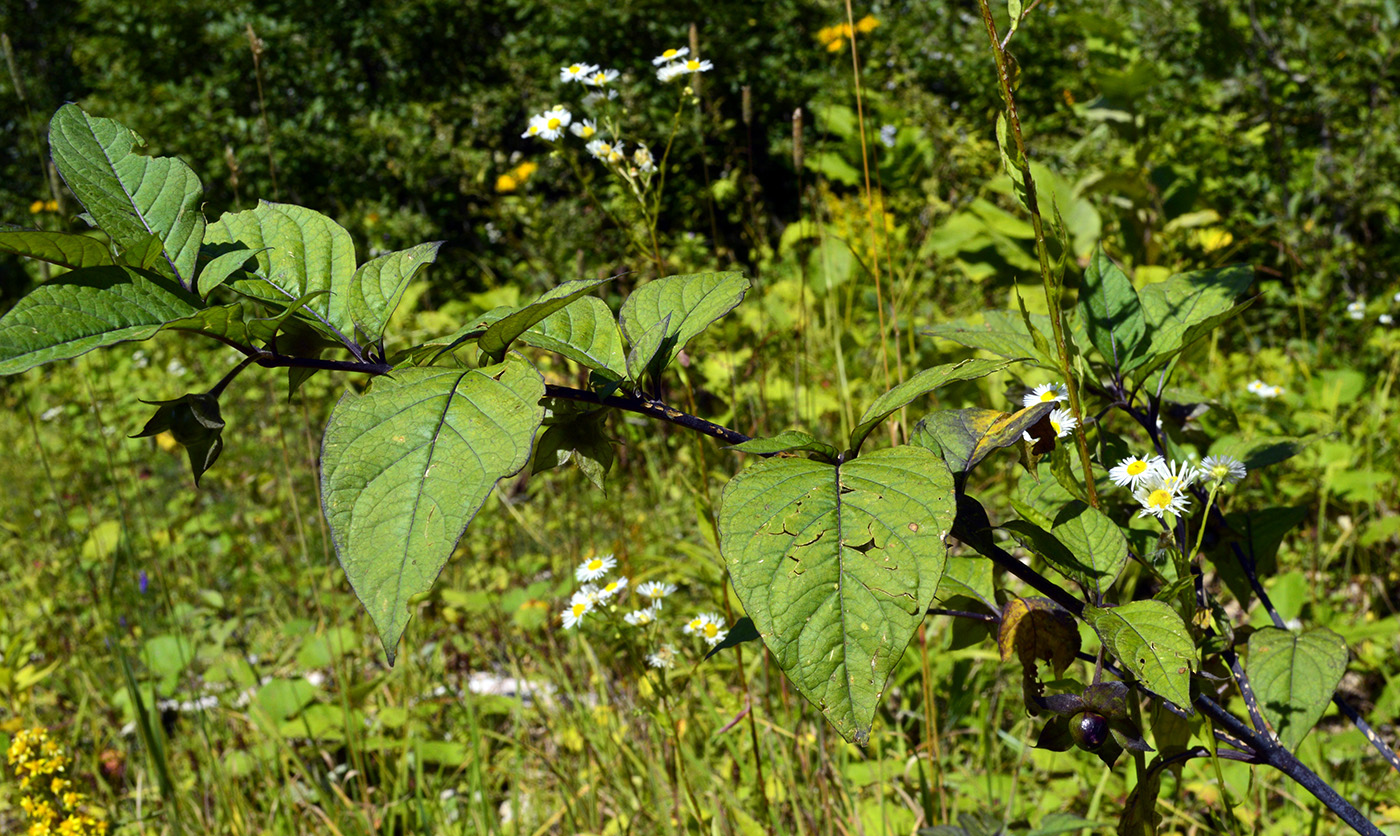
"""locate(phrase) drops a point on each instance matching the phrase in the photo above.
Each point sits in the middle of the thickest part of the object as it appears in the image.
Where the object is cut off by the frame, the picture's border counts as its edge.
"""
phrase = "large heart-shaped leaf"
(86, 309)
(692, 302)
(378, 286)
(406, 466)
(1152, 641)
(66, 249)
(920, 384)
(836, 566)
(300, 251)
(1294, 677)
(129, 196)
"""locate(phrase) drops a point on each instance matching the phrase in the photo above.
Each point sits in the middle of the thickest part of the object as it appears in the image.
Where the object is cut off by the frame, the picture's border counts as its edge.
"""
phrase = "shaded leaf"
(920, 384)
(221, 267)
(787, 441)
(130, 197)
(965, 437)
(406, 466)
(1294, 677)
(742, 632)
(378, 285)
(646, 348)
(65, 249)
(86, 309)
(1037, 628)
(836, 566)
(1110, 310)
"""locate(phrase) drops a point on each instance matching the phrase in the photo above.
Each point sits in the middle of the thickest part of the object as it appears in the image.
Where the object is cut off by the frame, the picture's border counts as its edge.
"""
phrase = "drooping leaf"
(836, 566)
(502, 332)
(196, 424)
(1095, 541)
(1151, 640)
(787, 441)
(299, 251)
(378, 286)
(129, 196)
(1037, 628)
(66, 249)
(406, 466)
(1110, 310)
(86, 309)
(585, 332)
(583, 441)
(221, 267)
(742, 632)
(691, 302)
(965, 437)
(920, 384)
(1294, 677)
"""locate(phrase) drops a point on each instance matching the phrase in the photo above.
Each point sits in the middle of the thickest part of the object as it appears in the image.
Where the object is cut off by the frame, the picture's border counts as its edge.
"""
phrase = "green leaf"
(1182, 309)
(1262, 452)
(501, 333)
(969, 577)
(645, 349)
(300, 251)
(836, 566)
(691, 303)
(66, 249)
(1002, 333)
(920, 384)
(219, 268)
(1095, 541)
(583, 441)
(86, 309)
(1151, 640)
(407, 465)
(1110, 310)
(787, 441)
(129, 196)
(228, 322)
(964, 437)
(585, 332)
(378, 286)
(1294, 677)
(143, 254)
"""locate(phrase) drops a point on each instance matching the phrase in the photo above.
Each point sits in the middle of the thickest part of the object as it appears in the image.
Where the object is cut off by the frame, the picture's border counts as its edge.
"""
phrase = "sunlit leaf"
(65, 249)
(920, 384)
(1294, 677)
(378, 286)
(1151, 640)
(690, 303)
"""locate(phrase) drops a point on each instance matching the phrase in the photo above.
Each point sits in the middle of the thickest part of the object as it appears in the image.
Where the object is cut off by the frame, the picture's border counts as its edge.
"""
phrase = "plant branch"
(649, 407)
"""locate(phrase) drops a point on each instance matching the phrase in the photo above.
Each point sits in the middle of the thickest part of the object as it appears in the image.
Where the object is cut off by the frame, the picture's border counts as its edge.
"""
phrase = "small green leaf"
(787, 441)
(1294, 677)
(965, 437)
(378, 286)
(690, 303)
(129, 196)
(920, 384)
(196, 424)
(742, 632)
(836, 565)
(226, 322)
(1152, 641)
(501, 333)
(969, 577)
(66, 249)
(1110, 310)
(221, 267)
(299, 251)
(143, 253)
(1002, 333)
(1184, 308)
(585, 332)
(86, 309)
(405, 467)
(583, 441)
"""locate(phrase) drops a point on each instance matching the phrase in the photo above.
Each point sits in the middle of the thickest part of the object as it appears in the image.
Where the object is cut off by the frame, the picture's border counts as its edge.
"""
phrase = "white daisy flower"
(664, 657)
(612, 588)
(642, 617)
(601, 78)
(552, 123)
(1357, 310)
(599, 149)
(584, 128)
(670, 55)
(1063, 422)
(594, 568)
(1385, 319)
(1254, 386)
(708, 626)
(695, 65)
(577, 72)
(1225, 470)
(1046, 393)
(617, 156)
(535, 129)
(643, 160)
(1174, 476)
(655, 589)
(669, 72)
(588, 592)
(599, 96)
(1157, 499)
(1131, 471)
(575, 613)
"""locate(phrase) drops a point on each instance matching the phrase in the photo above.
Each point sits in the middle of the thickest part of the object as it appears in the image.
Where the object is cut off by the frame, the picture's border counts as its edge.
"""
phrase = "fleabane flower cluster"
(1160, 486)
(1046, 393)
(674, 63)
(50, 800)
(708, 626)
(1263, 390)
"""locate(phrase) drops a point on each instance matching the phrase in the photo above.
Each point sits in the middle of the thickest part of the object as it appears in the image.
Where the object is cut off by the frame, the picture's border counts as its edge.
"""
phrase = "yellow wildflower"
(51, 206)
(36, 207)
(506, 183)
(867, 23)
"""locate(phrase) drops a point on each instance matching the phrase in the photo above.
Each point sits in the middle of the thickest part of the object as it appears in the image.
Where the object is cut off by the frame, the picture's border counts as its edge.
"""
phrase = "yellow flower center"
(1055, 425)
(693, 64)
(711, 630)
(586, 131)
(579, 609)
(670, 53)
(575, 69)
(1160, 498)
(595, 565)
(554, 123)
(1047, 397)
(1137, 467)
